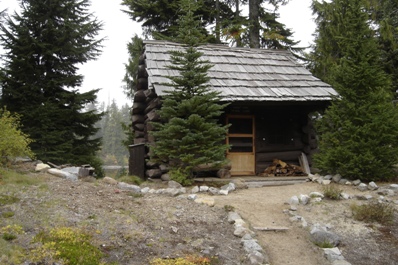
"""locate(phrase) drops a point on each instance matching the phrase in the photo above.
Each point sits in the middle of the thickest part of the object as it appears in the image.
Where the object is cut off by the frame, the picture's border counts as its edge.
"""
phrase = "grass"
(7, 214)
(374, 211)
(19, 179)
(332, 192)
(69, 245)
(324, 244)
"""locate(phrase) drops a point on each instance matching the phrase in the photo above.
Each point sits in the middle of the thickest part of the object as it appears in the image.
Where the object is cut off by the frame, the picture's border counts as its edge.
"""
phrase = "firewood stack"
(280, 168)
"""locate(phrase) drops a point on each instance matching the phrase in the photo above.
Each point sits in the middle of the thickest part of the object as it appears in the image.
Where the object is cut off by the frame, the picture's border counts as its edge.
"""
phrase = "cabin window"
(241, 134)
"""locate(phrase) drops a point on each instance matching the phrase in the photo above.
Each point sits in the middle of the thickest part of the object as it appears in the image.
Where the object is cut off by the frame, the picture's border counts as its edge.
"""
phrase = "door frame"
(247, 159)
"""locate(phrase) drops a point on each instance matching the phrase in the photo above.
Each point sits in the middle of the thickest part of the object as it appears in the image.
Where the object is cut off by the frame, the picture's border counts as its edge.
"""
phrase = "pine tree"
(44, 46)
(134, 48)
(190, 134)
(359, 131)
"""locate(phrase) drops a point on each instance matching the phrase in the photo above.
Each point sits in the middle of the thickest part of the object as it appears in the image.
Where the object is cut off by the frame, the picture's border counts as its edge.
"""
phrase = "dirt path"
(263, 207)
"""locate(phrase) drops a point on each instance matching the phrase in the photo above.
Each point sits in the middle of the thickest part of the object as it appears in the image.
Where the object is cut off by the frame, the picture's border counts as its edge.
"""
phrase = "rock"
(356, 182)
(240, 231)
(223, 192)
(304, 199)
(173, 192)
(394, 186)
(372, 186)
(328, 177)
(62, 174)
(213, 190)
(362, 187)
(174, 184)
(164, 168)
(332, 254)
(293, 208)
(256, 258)
(319, 180)
(165, 177)
(316, 199)
(316, 194)
(341, 262)
(326, 182)
(240, 222)
(129, 187)
(386, 192)
(343, 181)
(229, 187)
(239, 184)
(145, 190)
(251, 245)
(232, 217)
(203, 188)
(224, 173)
(110, 181)
(319, 235)
(42, 167)
(336, 178)
(345, 196)
(294, 200)
(72, 170)
(153, 173)
(192, 197)
(195, 189)
(208, 201)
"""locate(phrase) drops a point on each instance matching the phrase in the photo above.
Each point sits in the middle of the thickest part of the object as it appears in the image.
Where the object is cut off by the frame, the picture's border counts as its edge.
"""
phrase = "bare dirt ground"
(132, 229)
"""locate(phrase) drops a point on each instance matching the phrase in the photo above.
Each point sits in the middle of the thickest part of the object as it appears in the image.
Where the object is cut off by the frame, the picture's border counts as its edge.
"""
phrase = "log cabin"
(271, 96)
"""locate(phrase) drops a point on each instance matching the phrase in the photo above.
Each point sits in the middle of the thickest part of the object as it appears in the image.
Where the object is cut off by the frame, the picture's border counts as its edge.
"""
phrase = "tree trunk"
(254, 30)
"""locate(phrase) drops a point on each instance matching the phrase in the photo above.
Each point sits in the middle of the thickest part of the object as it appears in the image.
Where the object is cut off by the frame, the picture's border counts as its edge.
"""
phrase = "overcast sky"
(108, 70)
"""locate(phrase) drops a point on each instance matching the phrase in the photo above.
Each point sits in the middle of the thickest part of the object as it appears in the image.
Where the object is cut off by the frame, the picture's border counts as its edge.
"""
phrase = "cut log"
(139, 96)
(142, 73)
(153, 116)
(287, 155)
(154, 104)
(138, 107)
(139, 134)
(149, 94)
(280, 168)
(138, 127)
(142, 84)
(137, 118)
(139, 141)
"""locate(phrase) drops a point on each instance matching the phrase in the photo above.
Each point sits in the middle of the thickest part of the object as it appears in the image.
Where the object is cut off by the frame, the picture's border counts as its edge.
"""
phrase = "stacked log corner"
(146, 102)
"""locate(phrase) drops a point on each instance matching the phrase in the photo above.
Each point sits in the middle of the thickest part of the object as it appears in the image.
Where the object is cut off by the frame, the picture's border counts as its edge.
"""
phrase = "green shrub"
(8, 214)
(332, 192)
(181, 176)
(131, 180)
(13, 142)
(374, 211)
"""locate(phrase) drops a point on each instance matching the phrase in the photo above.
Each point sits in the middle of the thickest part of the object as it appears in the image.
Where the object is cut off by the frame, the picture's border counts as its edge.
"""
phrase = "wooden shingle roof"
(242, 74)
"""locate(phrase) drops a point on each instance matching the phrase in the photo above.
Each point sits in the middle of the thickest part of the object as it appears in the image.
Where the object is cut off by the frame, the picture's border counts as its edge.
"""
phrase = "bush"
(332, 192)
(13, 142)
(374, 211)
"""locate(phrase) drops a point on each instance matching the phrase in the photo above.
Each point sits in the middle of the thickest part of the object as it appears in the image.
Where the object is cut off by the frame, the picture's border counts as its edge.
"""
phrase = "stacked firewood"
(280, 168)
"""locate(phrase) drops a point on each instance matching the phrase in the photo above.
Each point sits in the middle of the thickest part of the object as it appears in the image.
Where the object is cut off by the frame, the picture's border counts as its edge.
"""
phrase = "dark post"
(137, 160)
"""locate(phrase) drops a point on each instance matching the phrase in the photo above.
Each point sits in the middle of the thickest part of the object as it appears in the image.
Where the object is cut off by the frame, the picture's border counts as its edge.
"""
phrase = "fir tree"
(44, 46)
(359, 132)
(190, 134)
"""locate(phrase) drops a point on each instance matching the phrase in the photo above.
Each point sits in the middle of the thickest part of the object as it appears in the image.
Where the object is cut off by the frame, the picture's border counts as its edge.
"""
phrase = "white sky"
(108, 71)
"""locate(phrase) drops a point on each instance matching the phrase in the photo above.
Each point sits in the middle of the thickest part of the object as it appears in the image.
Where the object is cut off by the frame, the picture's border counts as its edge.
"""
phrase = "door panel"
(241, 138)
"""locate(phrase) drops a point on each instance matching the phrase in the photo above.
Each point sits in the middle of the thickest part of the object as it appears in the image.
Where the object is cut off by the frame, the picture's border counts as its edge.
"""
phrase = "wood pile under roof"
(242, 74)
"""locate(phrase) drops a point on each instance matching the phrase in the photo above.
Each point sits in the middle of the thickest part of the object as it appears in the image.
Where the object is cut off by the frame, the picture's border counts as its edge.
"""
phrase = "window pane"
(240, 126)
(241, 144)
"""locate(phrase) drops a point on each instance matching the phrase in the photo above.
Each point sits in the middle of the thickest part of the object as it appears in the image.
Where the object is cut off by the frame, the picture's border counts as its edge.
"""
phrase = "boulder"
(229, 187)
(239, 184)
(213, 191)
(192, 197)
(110, 181)
(332, 254)
(356, 182)
(336, 178)
(40, 167)
(174, 184)
(129, 187)
(195, 189)
(372, 186)
(257, 258)
(203, 188)
(362, 187)
(208, 201)
(319, 235)
(233, 216)
(165, 177)
(304, 199)
(394, 187)
(294, 200)
(251, 245)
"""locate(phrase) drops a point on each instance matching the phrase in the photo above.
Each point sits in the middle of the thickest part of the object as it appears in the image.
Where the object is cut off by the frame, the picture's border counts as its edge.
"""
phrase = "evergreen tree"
(359, 132)
(190, 134)
(130, 78)
(44, 46)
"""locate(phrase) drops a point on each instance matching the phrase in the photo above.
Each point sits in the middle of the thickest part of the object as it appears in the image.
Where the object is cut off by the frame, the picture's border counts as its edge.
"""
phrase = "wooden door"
(241, 138)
